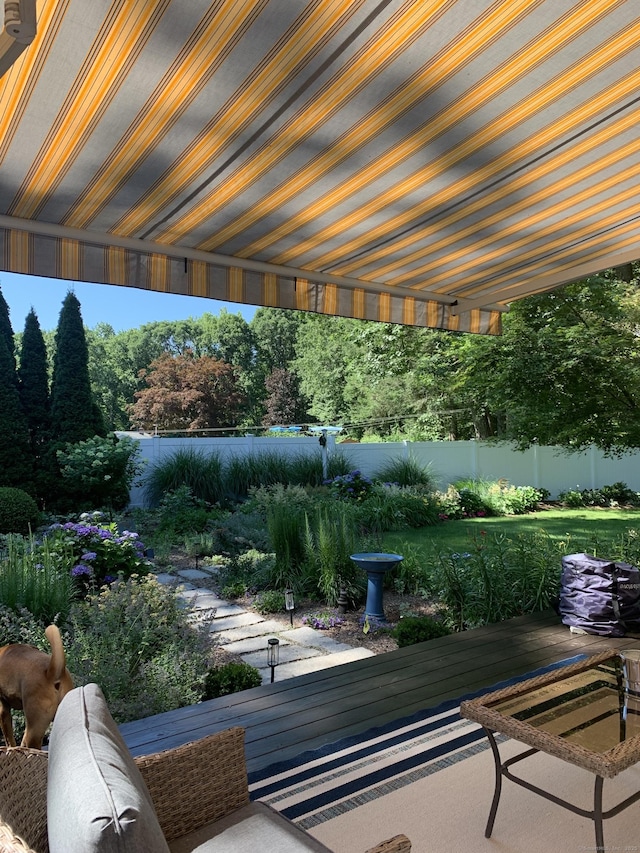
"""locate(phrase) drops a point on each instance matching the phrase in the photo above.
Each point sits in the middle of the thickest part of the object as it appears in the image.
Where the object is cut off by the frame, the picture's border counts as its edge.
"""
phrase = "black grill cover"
(599, 596)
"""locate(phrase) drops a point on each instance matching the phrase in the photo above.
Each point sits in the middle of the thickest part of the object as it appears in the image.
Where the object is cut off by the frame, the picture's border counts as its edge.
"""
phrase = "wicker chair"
(185, 793)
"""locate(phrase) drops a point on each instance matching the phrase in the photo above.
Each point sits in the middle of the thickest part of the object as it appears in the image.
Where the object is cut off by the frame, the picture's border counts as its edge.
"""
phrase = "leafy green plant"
(617, 494)
(418, 629)
(239, 531)
(571, 498)
(269, 601)
(99, 472)
(520, 499)
(18, 511)
(393, 507)
(234, 590)
(479, 498)
(137, 641)
(230, 678)
(21, 626)
(200, 545)
(262, 498)
(181, 513)
(498, 578)
(411, 576)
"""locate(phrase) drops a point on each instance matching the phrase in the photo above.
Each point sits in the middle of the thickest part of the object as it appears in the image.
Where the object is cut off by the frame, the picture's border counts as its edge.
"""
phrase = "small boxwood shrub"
(418, 629)
(18, 511)
(230, 678)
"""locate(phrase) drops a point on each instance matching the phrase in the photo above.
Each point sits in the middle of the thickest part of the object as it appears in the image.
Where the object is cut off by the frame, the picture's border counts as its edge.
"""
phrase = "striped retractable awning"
(414, 161)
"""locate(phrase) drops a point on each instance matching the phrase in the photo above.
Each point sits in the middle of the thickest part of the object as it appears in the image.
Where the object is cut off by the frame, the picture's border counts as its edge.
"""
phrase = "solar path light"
(273, 655)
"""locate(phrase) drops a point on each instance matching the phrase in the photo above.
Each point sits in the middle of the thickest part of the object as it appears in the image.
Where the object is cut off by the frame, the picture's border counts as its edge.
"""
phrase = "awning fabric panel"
(422, 162)
(53, 257)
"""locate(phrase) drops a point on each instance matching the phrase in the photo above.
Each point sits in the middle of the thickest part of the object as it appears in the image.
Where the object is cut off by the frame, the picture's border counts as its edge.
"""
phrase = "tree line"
(43, 407)
(565, 371)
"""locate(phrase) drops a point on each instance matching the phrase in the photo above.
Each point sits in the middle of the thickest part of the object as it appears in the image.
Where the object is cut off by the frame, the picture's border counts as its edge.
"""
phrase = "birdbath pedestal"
(375, 565)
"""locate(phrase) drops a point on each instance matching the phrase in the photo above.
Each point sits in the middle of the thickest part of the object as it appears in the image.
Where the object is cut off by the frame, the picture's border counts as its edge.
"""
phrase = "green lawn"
(582, 529)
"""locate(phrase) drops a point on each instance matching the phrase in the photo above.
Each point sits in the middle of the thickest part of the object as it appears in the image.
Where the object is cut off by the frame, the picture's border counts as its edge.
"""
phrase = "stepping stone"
(228, 623)
(246, 631)
(166, 578)
(193, 574)
(250, 644)
(317, 640)
(227, 610)
(202, 599)
(287, 654)
(303, 667)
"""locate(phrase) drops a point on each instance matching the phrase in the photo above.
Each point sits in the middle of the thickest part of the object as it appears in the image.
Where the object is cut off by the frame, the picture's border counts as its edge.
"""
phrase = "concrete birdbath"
(375, 565)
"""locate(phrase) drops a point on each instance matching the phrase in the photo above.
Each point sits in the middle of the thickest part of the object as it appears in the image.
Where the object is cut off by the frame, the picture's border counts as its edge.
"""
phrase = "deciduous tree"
(185, 392)
(285, 404)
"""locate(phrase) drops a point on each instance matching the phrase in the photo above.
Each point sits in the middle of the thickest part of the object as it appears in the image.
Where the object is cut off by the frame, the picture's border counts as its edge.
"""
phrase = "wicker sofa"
(88, 794)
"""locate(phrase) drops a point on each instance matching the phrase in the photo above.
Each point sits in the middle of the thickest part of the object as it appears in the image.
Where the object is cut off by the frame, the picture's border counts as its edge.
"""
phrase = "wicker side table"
(580, 713)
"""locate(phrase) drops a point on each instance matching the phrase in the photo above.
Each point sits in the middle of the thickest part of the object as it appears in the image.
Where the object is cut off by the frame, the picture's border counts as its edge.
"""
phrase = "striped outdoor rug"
(431, 776)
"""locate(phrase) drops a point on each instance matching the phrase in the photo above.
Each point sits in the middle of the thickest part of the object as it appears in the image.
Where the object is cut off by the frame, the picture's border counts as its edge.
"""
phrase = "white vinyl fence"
(544, 467)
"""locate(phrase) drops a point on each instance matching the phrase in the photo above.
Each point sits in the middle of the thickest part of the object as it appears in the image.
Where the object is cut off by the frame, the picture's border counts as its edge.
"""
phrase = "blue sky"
(121, 307)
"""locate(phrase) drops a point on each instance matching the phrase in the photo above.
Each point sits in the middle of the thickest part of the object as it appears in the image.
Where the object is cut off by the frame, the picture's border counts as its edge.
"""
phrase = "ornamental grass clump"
(96, 552)
(34, 579)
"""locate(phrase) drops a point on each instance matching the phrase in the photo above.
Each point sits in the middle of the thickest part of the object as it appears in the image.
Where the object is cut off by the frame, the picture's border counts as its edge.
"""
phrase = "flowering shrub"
(100, 471)
(350, 487)
(322, 620)
(97, 552)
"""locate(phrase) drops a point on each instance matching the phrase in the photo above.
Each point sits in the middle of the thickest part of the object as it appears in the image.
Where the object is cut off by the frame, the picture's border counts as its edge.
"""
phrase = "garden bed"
(349, 630)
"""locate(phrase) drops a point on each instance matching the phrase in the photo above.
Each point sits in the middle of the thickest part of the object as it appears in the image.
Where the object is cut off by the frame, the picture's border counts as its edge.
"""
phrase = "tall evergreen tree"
(33, 386)
(74, 413)
(6, 332)
(15, 456)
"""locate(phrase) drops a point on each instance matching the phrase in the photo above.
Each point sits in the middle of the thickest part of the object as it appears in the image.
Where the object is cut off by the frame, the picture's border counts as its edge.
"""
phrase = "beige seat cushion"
(256, 827)
(97, 801)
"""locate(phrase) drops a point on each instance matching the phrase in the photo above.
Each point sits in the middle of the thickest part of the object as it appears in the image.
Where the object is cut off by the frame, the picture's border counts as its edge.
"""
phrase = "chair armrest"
(23, 800)
(397, 844)
(197, 783)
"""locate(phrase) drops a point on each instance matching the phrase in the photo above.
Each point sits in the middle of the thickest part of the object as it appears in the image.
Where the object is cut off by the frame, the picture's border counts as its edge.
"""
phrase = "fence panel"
(544, 467)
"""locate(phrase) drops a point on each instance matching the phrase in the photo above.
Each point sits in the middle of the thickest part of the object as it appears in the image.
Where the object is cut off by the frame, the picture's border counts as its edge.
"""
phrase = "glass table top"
(593, 708)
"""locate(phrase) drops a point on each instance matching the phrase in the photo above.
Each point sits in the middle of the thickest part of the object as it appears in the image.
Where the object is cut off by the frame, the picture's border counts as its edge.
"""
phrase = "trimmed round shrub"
(230, 678)
(18, 511)
(418, 629)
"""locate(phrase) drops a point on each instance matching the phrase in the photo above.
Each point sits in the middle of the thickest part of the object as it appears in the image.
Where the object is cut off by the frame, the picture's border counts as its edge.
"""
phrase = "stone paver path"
(243, 633)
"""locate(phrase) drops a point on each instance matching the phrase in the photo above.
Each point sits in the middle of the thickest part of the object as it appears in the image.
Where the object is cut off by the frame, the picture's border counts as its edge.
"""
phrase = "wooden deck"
(284, 719)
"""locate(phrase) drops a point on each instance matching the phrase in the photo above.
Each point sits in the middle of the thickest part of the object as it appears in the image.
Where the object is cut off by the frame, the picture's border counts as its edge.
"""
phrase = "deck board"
(289, 717)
